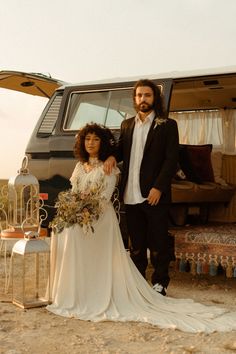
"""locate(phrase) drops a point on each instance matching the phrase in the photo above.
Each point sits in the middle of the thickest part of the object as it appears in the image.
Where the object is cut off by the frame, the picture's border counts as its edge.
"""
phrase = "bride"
(94, 278)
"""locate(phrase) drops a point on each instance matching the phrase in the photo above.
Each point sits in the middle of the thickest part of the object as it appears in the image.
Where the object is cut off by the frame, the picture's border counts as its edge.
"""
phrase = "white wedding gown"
(94, 278)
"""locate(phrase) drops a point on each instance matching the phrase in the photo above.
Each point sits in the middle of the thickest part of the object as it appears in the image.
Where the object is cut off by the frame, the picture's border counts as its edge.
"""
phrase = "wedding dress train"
(95, 280)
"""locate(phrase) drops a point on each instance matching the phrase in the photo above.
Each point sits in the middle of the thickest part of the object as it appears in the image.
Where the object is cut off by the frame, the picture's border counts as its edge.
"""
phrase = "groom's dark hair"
(107, 142)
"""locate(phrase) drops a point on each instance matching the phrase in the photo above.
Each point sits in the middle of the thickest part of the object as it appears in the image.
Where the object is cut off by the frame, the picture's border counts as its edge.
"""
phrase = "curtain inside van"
(217, 127)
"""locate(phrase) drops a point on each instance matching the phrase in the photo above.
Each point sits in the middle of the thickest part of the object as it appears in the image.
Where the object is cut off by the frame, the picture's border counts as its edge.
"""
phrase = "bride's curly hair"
(107, 142)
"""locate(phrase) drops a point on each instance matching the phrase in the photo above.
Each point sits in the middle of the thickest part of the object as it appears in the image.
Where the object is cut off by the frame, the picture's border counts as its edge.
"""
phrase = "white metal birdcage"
(24, 204)
(23, 199)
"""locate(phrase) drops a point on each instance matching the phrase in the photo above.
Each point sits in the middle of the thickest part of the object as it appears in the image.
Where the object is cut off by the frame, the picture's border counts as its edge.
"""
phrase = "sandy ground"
(38, 331)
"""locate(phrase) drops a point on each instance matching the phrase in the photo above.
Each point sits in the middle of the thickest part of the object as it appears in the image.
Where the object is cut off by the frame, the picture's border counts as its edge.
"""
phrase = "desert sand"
(38, 331)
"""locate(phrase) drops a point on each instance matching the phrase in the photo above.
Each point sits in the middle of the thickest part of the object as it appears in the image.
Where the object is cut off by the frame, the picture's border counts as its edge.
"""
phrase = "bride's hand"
(109, 164)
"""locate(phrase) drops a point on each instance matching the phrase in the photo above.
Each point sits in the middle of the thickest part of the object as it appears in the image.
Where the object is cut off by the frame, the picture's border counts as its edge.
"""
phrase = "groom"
(148, 147)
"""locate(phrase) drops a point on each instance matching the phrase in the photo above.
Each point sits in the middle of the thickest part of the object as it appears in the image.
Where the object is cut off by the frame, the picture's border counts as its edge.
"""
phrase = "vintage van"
(203, 104)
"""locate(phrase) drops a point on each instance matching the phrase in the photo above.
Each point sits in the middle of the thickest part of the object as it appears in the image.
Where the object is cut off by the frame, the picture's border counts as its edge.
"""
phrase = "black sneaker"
(159, 289)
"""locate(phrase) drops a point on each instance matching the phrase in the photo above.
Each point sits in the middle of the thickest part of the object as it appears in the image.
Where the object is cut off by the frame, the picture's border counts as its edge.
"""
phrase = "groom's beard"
(144, 107)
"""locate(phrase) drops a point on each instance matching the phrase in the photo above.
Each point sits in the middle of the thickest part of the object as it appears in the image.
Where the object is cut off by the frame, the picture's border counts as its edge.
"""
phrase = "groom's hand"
(109, 164)
(154, 196)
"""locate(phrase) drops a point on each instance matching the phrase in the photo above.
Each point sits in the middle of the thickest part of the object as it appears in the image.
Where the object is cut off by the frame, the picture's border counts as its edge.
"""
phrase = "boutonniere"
(159, 121)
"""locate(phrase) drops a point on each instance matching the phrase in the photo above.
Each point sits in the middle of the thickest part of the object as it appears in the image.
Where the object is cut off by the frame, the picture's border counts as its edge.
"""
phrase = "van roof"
(158, 76)
(192, 90)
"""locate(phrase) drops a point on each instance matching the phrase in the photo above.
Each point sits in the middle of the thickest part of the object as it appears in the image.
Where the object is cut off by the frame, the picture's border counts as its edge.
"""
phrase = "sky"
(78, 41)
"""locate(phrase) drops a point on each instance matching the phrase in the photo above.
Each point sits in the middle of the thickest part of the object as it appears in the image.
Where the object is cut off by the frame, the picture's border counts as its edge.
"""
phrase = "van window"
(120, 108)
(86, 107)
(104, 107)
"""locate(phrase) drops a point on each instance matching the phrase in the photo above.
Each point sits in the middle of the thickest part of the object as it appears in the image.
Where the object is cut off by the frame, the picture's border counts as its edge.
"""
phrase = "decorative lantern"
(24, 204)
(30, 271)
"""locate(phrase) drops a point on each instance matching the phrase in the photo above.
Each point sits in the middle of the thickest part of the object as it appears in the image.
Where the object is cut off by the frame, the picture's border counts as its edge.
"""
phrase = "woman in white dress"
(94, 278)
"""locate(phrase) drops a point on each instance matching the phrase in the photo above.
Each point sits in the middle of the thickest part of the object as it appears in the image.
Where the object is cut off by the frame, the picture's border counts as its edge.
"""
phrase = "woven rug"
(205, 249)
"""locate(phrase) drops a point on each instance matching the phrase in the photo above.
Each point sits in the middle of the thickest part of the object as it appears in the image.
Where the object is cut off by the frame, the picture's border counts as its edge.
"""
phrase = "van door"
(30, 83)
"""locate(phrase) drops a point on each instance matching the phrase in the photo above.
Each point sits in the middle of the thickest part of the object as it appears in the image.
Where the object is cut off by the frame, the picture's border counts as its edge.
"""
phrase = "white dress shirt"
(132, 194)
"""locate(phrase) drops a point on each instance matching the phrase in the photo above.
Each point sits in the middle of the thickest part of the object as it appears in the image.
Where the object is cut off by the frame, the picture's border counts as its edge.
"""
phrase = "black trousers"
(148, 229)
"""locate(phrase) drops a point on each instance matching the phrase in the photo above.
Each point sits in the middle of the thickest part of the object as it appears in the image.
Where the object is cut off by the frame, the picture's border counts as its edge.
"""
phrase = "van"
(71, 106)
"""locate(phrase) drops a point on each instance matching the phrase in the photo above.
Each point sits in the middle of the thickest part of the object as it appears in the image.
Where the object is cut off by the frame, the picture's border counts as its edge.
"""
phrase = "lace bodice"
(82, 180)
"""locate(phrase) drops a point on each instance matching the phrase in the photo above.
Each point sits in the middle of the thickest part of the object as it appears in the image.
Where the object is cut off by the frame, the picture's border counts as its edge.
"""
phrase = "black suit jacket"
(160, 157)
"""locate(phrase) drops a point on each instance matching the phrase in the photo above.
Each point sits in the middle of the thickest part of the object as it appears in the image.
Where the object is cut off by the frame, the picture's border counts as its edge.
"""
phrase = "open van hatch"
(30, 83)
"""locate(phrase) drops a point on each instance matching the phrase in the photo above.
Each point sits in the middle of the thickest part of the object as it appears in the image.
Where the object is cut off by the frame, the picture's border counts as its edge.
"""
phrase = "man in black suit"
(148, 147)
